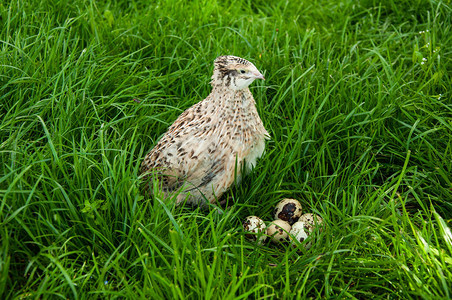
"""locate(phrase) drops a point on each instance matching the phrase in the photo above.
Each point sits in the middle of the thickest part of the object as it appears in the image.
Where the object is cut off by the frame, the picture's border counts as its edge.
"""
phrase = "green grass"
(357, 101)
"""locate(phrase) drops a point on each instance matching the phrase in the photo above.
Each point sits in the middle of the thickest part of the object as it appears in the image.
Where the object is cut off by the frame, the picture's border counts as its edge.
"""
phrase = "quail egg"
(255, 228)
(278, 230)
(311, 221)
(298, 233)
(288, 210)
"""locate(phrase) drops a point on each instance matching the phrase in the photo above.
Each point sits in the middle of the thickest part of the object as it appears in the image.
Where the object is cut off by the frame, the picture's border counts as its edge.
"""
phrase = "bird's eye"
(242, 71)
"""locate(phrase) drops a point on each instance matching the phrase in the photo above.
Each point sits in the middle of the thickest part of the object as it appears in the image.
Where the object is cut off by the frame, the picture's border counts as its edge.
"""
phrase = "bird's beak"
(259, 76)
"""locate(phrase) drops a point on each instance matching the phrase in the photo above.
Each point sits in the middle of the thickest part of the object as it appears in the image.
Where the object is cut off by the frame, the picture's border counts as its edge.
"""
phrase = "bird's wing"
(183, 161)
(183, 155)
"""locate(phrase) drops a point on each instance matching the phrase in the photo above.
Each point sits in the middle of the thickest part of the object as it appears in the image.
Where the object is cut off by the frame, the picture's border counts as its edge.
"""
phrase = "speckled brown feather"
(206, 147)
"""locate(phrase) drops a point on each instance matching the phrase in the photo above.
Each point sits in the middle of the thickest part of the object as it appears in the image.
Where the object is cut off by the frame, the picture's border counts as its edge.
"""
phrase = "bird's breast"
(231, 125)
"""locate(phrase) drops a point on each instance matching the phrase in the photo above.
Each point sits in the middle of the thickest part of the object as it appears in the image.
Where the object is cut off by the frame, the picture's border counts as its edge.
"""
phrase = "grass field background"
(358, 104)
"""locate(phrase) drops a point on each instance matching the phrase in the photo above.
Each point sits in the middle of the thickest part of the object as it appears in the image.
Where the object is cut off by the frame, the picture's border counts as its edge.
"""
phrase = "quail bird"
(209, 145)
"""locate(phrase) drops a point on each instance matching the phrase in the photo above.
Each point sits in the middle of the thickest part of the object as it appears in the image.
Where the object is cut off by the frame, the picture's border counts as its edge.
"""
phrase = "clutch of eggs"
(289, 224)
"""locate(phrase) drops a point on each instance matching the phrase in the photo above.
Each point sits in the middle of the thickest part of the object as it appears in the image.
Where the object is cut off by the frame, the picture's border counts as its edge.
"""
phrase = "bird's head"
(234, 72)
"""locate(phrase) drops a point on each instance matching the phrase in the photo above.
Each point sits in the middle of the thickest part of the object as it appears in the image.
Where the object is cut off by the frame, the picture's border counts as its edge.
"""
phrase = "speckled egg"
(288, 210)
(255, 228)
(297, 233)
(311, 221)
(278, 231)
